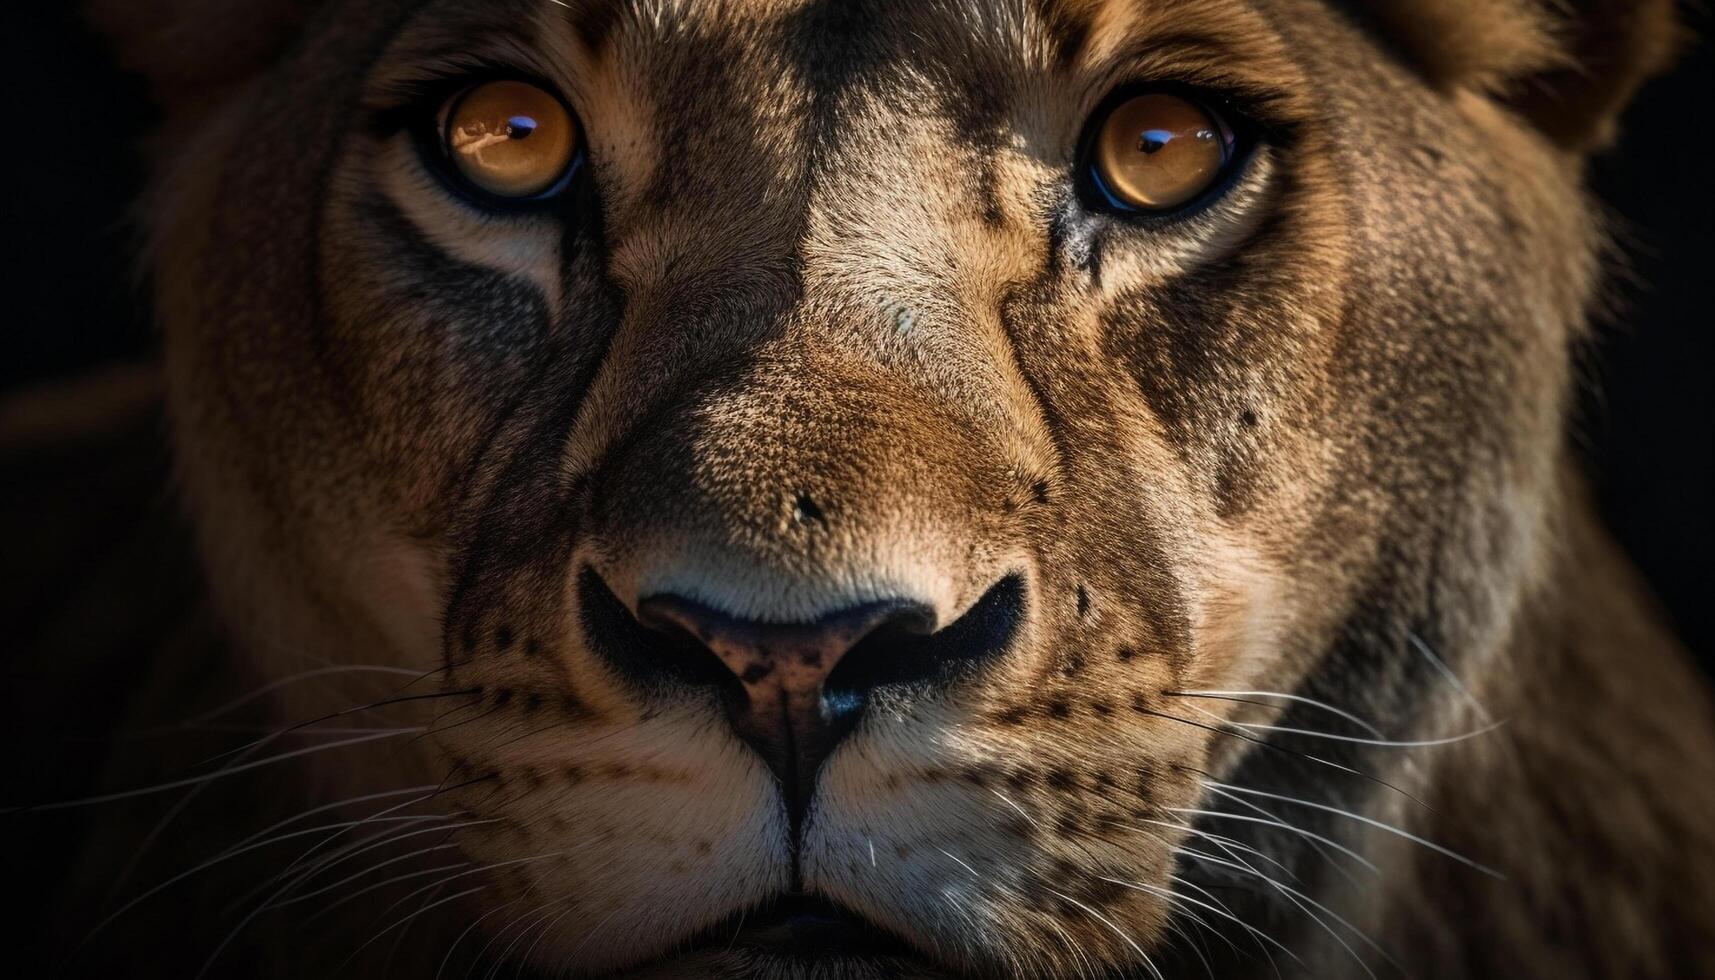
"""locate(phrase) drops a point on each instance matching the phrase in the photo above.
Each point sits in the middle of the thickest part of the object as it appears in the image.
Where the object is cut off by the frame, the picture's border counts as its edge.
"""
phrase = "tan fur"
(1305, 444)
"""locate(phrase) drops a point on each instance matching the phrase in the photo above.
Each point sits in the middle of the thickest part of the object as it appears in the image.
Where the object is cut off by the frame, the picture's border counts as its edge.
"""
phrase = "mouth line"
(802, 926)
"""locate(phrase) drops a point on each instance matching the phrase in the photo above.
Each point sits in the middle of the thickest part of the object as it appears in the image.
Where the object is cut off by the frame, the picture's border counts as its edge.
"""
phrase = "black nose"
(793, 690)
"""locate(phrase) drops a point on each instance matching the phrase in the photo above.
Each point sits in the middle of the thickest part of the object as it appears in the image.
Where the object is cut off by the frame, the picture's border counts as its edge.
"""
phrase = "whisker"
(1150, 964)
(427, 790)
(1379, 825)
(348, 879)
(383, 839)
(194, 780)
(1230, 842)
(435, 729)
(971, 921)
(275, 685)
(160, 827)
(399, 940)
(1213, 837)
(540, 914)
(591, 934)
(267, 730)
(467, 931)
(245, 847)
(1315, 845)
(532, 733)
(1206, 893)
(408, 918)
(384, 835)
(385, 702)
(543, 934)
(1104, 920)
(434, 791)
(1088, 968)
(1192, 940)
(1172, 896)
(1224, 729)
(478, 870)
(494, 937)
(1295, 698)
(196, 789)
(200, 723)
(1223, 845)
(142, 849)
(377, 886)
(1383, 742)
(1447, 673)
(1297, 898)
(1390, 744)
(1210, 896)
(260, 908)
(1008, 801)
(1281, 824)
(957, 860)
(474, 703)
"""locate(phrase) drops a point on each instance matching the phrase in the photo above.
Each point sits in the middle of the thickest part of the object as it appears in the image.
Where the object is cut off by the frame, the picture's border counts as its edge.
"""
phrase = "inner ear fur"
(1569, 66)
(192, 50)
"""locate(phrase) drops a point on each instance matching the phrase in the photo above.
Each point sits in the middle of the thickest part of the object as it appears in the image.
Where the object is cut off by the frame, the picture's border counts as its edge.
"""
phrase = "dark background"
(1644, 425)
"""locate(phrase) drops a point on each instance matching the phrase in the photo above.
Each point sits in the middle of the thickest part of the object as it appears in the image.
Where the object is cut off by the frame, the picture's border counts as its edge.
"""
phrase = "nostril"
(896, 655)
(645, 656)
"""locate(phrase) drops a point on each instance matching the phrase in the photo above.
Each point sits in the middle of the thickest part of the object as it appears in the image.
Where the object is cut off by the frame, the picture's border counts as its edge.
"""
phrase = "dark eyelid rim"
(429, 93)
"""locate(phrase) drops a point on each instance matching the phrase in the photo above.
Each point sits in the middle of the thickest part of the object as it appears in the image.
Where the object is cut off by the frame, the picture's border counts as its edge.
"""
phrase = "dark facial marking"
(596, 20)
(807, 511)
(1068, 26)
(835, 44)
(499, 321)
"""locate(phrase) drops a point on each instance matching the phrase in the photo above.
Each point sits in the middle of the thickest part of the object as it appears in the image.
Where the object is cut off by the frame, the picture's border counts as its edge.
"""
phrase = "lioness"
(873, 488)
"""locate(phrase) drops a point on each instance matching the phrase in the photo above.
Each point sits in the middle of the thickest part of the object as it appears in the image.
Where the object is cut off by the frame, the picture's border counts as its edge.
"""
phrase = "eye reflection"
(1158, 151)
(510, 139)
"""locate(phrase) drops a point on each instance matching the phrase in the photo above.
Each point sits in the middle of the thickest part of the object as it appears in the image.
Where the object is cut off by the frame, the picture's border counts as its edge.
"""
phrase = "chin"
(791, 937)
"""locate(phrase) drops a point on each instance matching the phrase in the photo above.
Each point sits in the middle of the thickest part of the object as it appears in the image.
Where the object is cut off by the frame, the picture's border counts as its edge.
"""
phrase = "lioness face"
(808, 479)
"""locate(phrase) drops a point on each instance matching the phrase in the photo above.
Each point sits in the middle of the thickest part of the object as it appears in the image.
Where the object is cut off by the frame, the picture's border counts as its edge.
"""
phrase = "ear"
(1569, 66)
(192, 50)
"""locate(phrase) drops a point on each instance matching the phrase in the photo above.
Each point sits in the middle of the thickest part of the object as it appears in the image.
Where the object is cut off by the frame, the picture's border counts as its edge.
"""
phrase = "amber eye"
(1156, 152)
(510, 139)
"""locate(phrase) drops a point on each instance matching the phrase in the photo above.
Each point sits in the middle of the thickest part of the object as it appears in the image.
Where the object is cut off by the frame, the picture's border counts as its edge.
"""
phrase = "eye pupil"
(510, 140)
(1157, 151)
